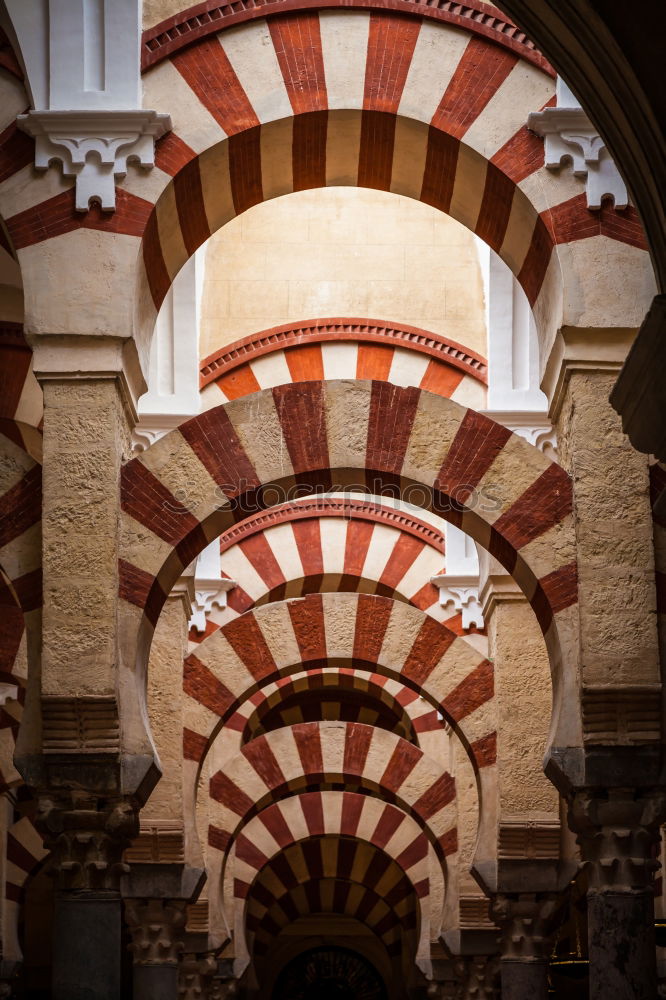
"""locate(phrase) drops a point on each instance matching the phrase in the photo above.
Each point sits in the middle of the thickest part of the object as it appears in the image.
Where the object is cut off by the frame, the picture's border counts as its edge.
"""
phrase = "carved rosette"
(526, 923)
(86, 842)
(617, 831)
(195, 976)
(157, 927)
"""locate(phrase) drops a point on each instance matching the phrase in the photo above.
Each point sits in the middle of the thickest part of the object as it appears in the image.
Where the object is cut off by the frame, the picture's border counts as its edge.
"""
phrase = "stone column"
(87, 845)
(613, 780)
(524, 921)
(88, 755)
(618, 833)
(157, 927)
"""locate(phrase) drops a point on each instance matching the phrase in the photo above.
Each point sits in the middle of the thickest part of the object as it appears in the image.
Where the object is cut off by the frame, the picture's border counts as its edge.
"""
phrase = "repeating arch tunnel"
(329, 740)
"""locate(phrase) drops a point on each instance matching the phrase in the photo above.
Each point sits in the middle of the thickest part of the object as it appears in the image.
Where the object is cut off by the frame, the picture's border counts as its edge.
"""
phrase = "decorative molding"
(95, 147)
(87, 843)
(463, 593)
(526, 838)
(208, 18)
(279, 338)
(197, 917)
(151, 427)
(571, 137)
(583, 349)
(621, 715)
(526, 921)
(208, 593)
(474, 913)
(346, 507)
(533, 426)
(80, 724)
(157, 927)
(160, 842)
(617, 830)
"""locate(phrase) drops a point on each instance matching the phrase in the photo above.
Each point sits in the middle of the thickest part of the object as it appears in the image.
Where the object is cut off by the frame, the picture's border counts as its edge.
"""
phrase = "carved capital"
(94, 147)
(571, 137)
(195, 977)
(525, 920)
(617, 831)
(157, 927)
(477, 977)
(86, 842)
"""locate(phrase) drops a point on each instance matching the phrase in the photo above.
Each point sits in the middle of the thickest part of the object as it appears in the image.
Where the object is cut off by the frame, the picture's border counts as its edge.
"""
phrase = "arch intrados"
(313, 683)
(352, 815)
(391, 937)
(348, 506)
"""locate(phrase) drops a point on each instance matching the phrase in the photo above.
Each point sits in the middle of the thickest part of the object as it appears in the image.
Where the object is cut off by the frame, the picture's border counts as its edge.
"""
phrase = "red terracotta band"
(277, 338)
(348, 507)
(210, 17)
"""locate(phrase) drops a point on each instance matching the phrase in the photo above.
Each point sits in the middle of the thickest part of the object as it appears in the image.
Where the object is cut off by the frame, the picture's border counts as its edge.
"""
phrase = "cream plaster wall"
(342, 252)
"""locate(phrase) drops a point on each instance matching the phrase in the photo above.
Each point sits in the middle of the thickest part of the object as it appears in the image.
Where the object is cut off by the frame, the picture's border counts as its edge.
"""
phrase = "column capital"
(87, 842)
(195, 975)
(62, 357)
(157, 927)
(477, 976)
(525, 920)
(617, 830)
(583, 349)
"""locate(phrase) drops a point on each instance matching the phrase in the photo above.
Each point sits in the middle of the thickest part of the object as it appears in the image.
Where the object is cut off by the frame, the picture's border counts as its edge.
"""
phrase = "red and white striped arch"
(374, 98)
(332, 813)
(361, 432)
(326, 874)
(321, 544)
(406, 713)
(409, 715)
(20, 576)
(298, 757)
(344, 348)
(336, 631)
(25, 852)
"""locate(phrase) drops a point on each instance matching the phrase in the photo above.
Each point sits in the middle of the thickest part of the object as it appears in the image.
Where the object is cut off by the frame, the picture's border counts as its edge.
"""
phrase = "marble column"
(87, 845)
(157, 927)
(524, 919)
(617, 831)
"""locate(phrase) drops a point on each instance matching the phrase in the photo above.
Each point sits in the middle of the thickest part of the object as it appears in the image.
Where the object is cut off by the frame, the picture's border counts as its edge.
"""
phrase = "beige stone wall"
(342, 252)
(165, 692)
(523, 693)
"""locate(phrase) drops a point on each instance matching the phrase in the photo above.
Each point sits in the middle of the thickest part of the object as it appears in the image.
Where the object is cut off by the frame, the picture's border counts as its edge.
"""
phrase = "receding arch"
(252, 450)
(292, 759)
(368, 698)
(331, 543)
(390, 904)
(360, 631)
